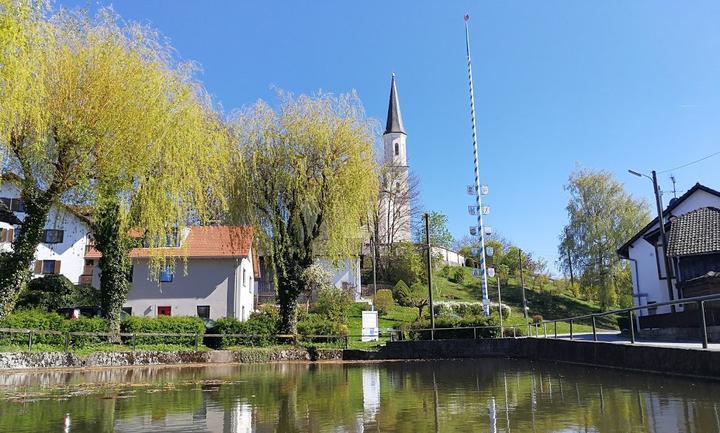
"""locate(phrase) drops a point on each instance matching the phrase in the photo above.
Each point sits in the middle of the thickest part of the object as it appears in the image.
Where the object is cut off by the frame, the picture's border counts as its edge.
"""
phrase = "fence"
(69, 339)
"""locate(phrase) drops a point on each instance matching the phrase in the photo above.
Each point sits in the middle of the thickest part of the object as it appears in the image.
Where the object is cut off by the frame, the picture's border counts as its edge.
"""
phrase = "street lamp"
(663, 235)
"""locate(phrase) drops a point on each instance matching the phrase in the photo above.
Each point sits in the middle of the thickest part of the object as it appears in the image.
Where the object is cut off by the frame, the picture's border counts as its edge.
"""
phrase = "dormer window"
(397, 148)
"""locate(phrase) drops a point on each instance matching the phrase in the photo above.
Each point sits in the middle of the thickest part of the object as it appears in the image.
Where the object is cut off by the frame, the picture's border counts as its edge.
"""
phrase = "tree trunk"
(15, 265)
(113, 242)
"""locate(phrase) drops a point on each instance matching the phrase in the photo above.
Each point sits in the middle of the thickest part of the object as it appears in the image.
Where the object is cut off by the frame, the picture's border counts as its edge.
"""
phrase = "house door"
(164, 311)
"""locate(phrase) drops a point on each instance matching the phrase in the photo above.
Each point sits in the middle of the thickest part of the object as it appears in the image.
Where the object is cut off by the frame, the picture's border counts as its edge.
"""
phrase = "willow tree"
(161, 154)
(305, 180)
(126, 130)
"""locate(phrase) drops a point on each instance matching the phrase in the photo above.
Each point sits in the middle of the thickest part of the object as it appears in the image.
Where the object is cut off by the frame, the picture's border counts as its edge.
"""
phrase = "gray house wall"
(210, 282)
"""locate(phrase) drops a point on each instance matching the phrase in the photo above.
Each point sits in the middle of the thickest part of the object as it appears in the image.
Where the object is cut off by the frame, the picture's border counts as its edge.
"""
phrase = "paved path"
(615, 337)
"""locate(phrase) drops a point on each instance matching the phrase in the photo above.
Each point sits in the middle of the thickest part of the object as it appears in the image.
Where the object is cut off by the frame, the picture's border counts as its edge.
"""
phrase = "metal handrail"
(699, 300)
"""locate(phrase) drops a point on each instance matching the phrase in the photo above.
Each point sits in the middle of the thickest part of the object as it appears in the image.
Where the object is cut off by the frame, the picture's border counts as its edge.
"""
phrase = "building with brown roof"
(215, 275)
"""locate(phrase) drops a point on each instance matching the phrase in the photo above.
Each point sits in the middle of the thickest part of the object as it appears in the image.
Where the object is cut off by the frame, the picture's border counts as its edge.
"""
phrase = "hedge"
(467, 309)
(165, 325)
(44, 321)
(487, 328)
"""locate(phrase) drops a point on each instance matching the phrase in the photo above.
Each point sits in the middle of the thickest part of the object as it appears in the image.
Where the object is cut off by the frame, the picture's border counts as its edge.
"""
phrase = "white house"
(218, 279)
(65, 237)
(449, 257)
(644, 251)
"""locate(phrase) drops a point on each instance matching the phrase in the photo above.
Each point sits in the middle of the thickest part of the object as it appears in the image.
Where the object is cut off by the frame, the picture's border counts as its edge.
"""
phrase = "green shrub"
(384, 301)
(47, 293)
(459, 276)
(315, 325)
(36, 320)
(487, 328)
(401, 293)
(164, 324)
(85, 324)
(445, 271)
(333, 304)
(465, 309)
(260, 329)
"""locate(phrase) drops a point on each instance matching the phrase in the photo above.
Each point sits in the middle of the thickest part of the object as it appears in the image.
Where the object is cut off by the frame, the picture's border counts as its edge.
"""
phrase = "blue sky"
(603, 84)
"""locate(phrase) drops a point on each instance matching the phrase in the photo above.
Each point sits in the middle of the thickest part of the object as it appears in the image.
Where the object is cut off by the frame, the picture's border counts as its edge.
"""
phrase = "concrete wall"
(686, 362)
(71, 252)
(646, 279)
(450, 257)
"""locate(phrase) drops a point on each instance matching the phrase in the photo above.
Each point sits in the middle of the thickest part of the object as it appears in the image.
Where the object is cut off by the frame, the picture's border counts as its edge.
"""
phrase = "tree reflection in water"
(435, 396)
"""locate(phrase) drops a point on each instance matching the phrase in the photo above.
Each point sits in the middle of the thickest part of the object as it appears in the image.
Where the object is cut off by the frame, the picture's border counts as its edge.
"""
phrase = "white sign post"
(370, 326)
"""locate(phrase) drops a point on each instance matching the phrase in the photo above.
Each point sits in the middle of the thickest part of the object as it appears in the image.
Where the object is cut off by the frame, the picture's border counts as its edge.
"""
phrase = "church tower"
(395, 203)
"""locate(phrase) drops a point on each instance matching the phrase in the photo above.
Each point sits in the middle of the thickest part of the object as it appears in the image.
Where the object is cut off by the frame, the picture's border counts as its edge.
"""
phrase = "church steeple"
(394, 118)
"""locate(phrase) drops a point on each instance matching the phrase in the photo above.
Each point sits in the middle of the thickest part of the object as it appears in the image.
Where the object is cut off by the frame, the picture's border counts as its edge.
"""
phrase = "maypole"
(478, 192)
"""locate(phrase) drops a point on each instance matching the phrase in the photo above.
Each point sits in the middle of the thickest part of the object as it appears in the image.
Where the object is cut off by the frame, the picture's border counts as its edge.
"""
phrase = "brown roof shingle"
(694, 233)
(203, 241)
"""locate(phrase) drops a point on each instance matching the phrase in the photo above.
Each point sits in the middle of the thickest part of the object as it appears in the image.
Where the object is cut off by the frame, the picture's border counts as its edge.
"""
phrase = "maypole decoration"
(477, 190)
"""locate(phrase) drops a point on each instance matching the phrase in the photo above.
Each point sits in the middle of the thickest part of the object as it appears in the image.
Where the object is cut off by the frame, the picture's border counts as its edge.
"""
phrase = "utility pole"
(663, 237)
(500, 305)
(522, 284)
(429, 272)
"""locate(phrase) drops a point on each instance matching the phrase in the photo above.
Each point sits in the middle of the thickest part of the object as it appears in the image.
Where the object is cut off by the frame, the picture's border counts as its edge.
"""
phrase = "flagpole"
(481, 229)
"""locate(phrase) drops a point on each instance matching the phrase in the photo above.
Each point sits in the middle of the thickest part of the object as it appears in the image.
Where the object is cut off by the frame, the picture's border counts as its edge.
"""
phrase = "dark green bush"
(316, 325)
(333, 303)
(487, 328)
(36, 320)
(460, 276)
(260, 329)
(47, 293)
(401, 293)
(85, 324)
(164, 324)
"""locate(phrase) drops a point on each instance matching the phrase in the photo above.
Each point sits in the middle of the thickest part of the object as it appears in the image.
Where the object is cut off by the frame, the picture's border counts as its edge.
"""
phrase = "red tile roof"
(203, 241)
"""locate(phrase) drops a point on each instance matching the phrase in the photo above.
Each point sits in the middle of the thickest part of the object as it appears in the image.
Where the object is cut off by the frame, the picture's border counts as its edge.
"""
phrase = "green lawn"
(549, 302)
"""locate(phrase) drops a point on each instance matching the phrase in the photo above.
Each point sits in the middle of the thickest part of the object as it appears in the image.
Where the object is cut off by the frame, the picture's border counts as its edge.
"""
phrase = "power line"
(690, 163)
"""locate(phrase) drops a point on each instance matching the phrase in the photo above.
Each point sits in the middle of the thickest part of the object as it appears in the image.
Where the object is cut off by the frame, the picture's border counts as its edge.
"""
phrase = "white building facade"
(646, 259)
(65, 237)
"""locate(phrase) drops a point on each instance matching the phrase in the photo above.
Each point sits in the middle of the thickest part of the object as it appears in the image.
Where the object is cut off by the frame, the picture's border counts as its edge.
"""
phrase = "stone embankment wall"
(42, 360)
(666, 360)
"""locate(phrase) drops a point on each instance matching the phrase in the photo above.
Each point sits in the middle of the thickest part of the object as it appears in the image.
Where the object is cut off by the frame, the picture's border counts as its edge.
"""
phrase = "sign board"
(473, 231)
(486, 210)
(489, 251)
(369, 326)
(491, 272)
(484, 190)
(474, 251)
(488, 230)
(471, 190)
(476, 272)
(472, 210)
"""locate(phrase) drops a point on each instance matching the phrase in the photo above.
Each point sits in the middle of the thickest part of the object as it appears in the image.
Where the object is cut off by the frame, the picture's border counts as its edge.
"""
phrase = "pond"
(486, 395)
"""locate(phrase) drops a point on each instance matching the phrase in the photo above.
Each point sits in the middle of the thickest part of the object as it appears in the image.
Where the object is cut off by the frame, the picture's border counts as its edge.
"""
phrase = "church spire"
(394, 118)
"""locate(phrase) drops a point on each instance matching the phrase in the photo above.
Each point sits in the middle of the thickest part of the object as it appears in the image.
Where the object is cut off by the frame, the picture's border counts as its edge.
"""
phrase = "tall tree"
(125, 129)
(303, 181)
(602, 215)
(440, 235)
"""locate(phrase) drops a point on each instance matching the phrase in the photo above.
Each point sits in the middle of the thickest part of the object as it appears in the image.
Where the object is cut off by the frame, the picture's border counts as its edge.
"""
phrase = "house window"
(130, 273)
(245, 277)
(14, 204)
(203, 311)
(49, 267)
(164, 311)
(127, 310)
(397, 149)
(166, 275)
(7, 235)
(53, 236)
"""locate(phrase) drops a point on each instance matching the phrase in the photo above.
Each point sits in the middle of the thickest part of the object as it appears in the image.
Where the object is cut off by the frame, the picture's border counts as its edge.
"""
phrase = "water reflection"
(498, 396)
